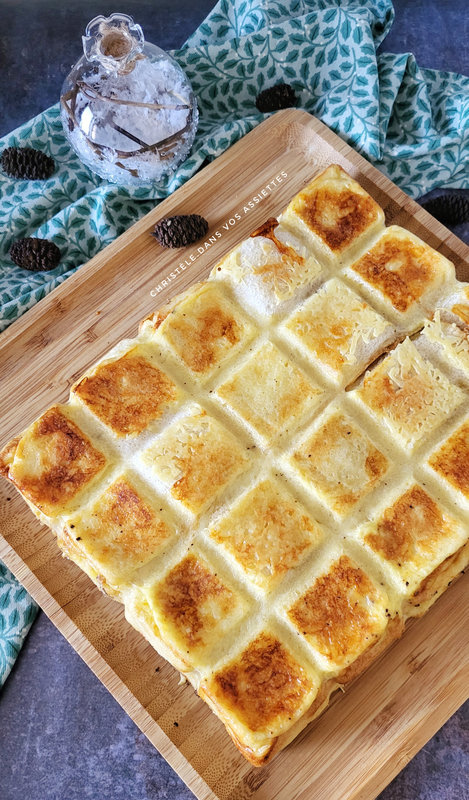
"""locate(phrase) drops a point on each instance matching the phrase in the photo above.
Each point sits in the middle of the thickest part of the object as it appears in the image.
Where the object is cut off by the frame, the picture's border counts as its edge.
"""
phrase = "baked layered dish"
(273, 475)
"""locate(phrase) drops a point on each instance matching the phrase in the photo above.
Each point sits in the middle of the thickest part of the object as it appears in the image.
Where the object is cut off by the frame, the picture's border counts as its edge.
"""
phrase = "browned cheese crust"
(127, 394)
(353, 214)
(52, 462)
(451, 461)
(334, 615)
(401, 270)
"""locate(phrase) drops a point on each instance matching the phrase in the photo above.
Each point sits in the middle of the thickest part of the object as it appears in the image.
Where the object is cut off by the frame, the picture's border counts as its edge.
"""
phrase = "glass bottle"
(127, 107)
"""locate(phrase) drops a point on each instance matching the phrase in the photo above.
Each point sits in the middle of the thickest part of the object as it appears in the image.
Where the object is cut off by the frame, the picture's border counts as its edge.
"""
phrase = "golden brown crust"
(204, 329)
(408, 529)
(461, 311)
(199, 352)
(128, 393)
(196, 457)
(267, 533)
(118, 533)
(264, 687)
(341, 614)
(319, 704)
(193, 599)
(336, 213)
(451, 461)
(341, 462)
(53, 462)
(393, 631)
(409, 394)
(269, 392)
(289, 254)
(154, 319)
(336, 323)
(401, 270)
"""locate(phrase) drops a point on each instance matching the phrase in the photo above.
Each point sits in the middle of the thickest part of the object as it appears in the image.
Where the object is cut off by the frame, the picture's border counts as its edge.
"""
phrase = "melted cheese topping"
(342, 613)
(195, 457)
(269, 392)
(128, 393)
(340, 462)
(204, 330)
(120, 532)
(335, 209)
(413, 536)
(408, 394)
(339, 329)
(54, 462)
(402, 268)
(268, 533)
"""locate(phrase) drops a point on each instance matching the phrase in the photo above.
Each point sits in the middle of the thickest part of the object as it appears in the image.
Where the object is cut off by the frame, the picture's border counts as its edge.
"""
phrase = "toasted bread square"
(270, 270)
(335, 216)
(54, 464)
(129, 393)
(261, 693)
(341, 614)
(120, 531)
(402, 276)
(195, 457)
(338, 331)
(270, 392)
(338, 461)
(268, 533)
(204, 330)
(189, 609)
(412, 536)
(408, 395)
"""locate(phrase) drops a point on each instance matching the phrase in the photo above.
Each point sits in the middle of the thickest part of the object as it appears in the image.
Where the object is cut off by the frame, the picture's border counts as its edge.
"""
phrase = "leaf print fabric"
(17, 613)
(412, 123)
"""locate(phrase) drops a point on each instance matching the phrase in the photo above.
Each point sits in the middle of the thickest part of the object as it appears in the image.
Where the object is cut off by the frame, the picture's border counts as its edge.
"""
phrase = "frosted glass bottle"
(127, 107)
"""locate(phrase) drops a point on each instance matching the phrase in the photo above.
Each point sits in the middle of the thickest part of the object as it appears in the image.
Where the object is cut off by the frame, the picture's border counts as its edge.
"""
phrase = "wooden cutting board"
(372, 731)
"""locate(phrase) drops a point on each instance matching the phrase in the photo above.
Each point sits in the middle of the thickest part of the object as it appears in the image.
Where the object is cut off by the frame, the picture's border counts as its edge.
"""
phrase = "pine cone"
(35, 254)
(451, 209)
(276, 97)
(180, 230)
(26, 162)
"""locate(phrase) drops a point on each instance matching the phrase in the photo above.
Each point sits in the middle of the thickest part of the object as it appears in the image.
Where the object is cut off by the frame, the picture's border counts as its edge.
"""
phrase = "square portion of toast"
(335, 215)
(401, 275)
(338, 461)
(408, 395)
(338, 331)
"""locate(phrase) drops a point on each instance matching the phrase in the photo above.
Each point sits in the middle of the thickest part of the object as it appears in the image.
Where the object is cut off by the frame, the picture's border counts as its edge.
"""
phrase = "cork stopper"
(115, 44)
(115, 41)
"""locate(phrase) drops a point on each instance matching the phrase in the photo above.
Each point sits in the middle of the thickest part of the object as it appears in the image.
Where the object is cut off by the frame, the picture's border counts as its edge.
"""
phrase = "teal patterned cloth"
(17, 614)
(412, 123)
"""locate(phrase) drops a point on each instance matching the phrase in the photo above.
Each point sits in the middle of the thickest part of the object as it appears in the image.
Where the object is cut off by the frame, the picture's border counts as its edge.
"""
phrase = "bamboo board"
(371, 732)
